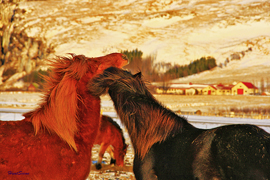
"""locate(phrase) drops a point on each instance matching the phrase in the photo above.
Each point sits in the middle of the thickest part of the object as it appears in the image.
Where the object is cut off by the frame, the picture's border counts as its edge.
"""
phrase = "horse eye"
(124, 57)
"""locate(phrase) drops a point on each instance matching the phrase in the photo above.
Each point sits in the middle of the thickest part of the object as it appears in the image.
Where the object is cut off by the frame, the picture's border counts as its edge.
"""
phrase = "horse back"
(173, 158)
(232, 152)
(109, 131)
(227, 152)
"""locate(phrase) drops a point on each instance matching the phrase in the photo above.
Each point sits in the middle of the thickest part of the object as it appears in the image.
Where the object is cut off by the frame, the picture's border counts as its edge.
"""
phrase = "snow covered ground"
(13, 104)
(204, 122)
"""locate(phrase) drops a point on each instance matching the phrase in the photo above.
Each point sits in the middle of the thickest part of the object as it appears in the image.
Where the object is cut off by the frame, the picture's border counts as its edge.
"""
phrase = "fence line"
(228, 114)
(17, 114)
(204, 121)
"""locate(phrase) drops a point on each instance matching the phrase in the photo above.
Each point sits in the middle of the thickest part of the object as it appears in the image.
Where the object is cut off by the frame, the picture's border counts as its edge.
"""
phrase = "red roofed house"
(209, 90)
(219, 89)
(31, 87)
(244, 88)
(224, 89)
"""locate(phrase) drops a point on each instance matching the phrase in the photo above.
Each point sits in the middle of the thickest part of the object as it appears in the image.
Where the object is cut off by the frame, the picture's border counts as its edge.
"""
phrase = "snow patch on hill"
(174, 31)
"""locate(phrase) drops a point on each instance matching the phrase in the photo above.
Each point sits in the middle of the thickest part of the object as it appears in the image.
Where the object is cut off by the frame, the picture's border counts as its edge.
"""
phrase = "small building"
(159, 90)
(244, 88)
(209, 90)
(173, 90)
(31, 87)
(180, 89)
(224, 89)
(191, 91)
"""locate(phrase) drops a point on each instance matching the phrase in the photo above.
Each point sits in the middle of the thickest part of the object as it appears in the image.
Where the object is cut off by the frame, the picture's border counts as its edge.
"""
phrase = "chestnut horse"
(110, 137)
(55, 140)
(168, 147)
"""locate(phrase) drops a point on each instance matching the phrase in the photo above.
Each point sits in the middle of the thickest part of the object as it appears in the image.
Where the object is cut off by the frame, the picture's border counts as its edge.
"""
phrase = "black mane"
(146, 119)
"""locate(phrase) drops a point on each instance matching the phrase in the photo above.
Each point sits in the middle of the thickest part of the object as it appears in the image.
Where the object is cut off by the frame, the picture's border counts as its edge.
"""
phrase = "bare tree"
(262, 85)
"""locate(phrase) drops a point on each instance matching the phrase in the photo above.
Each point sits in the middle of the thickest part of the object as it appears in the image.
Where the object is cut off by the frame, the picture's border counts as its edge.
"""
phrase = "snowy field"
(13, 104)
(204, 122)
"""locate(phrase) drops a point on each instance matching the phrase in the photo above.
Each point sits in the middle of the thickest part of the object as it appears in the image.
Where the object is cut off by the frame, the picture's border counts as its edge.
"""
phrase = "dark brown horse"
(55, 140)
(110, 137)
(168, 147)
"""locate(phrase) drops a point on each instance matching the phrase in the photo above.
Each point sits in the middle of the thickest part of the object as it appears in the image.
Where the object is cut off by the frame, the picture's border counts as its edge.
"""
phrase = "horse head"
(120, 155)
(117, 80)
(64, 88)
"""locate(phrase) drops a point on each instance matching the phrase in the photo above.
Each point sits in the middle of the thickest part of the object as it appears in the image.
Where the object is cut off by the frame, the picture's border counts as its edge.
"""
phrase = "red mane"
(60, 89)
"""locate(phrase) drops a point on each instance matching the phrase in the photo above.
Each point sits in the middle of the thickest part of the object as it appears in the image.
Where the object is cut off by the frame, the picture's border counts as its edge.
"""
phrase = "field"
(207, 104)
(175, 102)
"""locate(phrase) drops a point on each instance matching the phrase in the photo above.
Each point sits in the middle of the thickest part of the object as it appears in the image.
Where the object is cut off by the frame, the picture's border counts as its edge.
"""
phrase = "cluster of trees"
(146, 66)
(133, 55)
(36, 76)
(139, 64)
(135, 60)
(197, 66)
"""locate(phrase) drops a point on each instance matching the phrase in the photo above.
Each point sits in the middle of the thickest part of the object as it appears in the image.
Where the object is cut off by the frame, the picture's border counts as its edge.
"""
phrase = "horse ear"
(138, 75)
(101, 67)
(99, 84)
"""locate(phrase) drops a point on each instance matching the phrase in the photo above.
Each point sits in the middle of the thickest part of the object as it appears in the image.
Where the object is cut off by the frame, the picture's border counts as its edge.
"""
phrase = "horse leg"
(102, 149)
(111, 152)
(113, 161)
(144, 169)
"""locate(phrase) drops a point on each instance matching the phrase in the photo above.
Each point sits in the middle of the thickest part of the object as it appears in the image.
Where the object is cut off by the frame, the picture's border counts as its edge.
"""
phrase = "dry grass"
(215, 103)
(250, 110)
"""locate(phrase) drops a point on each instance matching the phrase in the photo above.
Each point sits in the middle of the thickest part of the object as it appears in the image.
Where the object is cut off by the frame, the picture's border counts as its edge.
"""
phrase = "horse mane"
(146, 119)
(149, 122)
(116, 125)
(58, 111)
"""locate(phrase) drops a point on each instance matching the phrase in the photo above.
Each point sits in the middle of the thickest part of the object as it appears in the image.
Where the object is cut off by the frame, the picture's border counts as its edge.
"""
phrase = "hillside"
(232, 73)
(173, 31)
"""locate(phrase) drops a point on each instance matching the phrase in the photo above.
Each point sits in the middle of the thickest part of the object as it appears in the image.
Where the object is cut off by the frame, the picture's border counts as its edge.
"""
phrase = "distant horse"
(110, 137)
(55, 140)
(168, 147)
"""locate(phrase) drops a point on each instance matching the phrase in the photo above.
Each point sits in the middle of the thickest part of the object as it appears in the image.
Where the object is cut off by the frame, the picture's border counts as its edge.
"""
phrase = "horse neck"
(88, 114)
(87, 105)
(119, 142)
(88, 109)
(149, 122)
